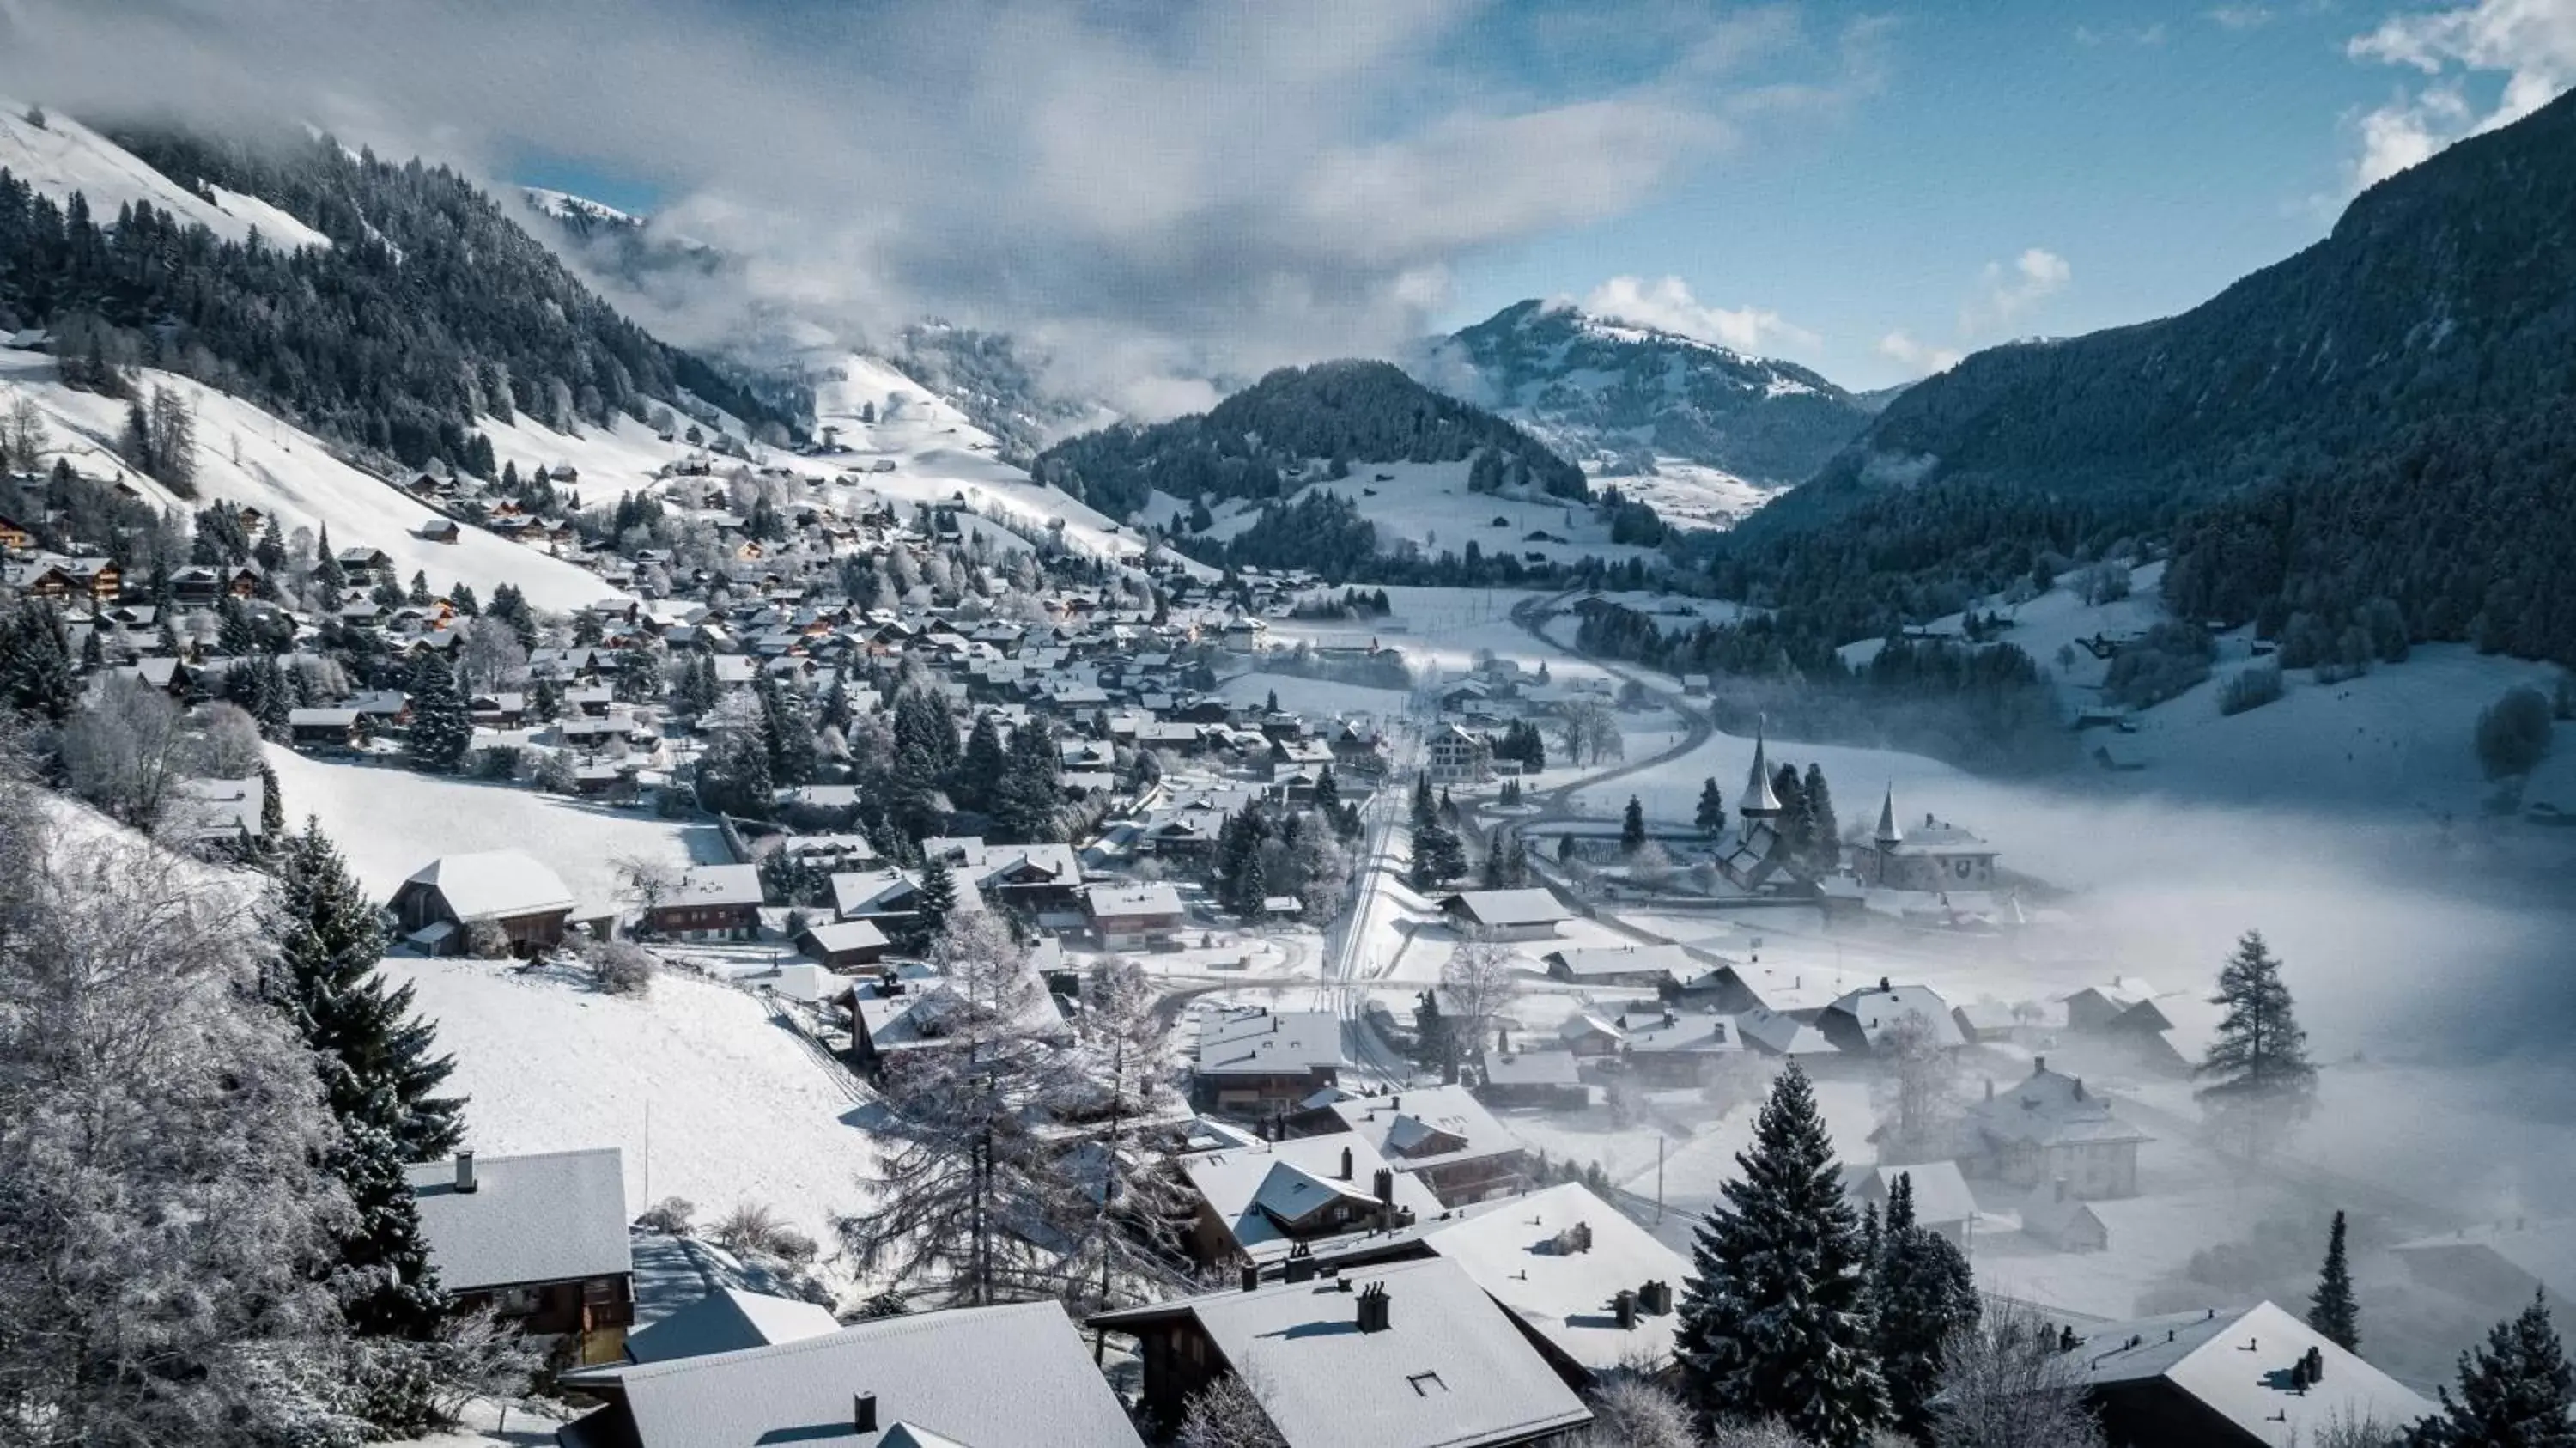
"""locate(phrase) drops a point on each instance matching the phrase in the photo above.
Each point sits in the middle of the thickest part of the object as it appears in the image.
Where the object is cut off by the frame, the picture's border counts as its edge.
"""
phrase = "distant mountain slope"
(2391, 411)
(60, 157)
(1622, 397)
(1260, 442)
(426, 308)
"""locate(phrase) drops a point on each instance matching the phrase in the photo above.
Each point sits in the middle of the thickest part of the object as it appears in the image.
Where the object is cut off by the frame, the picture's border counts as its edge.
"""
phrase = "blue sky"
(1155, 193)
(2160, 152)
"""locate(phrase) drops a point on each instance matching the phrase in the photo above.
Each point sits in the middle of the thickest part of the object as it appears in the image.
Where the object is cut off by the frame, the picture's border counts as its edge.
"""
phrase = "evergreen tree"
(1433, 1050)
(1775, 1317)
(2515, 1392)
(379, 1076)
(1797, 826)
(419, 594)
(977, 784)
(1031, 785)
(1328, 792)
(938, 894)
(272, 805)
(1824, 832)
(441, 729)
(1710, 819)
(1632, 828)
(2333, 1311)
(2257, 1066)
(1925, 1291)
(1426, 810)
(1516, 864)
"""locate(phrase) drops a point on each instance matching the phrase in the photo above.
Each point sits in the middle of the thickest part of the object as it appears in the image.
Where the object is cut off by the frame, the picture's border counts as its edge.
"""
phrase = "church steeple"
(1759, 800)
(1889, 836)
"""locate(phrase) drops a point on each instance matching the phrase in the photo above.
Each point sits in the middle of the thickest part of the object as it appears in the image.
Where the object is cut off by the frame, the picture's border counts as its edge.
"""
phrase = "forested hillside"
(429, 308)
(2390, 413)
(1257, 444)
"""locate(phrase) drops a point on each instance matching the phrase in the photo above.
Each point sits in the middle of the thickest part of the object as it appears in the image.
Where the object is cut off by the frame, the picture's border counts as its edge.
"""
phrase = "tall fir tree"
(1632, 827)
(2515, 1392)
(1924, 1292)
(1775, 1318)
(272, 805)
(1710, 818)
(1031, 790)
(977, 784)
(938, 893)
(2257, 1068)
(2332, 1310)
(1797, 826)
(441, 729)
(380, 1075)
(1824, 832)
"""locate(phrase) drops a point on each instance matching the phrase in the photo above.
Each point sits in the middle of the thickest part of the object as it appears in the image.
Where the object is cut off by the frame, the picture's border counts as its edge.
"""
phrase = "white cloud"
(1219, 185)
(2004, 292)
(2144, 35)
(1917, 357)
(2241, 17)
(1668, 305)
(2530, 43)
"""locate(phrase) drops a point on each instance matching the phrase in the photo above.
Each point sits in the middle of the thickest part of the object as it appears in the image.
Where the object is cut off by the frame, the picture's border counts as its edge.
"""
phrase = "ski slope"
(247, 457)
(1429, 506)
(62, 156)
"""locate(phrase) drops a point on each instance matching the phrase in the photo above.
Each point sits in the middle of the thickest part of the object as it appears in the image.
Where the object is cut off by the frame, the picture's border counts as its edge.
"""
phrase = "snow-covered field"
(1690, 495)
(390, 821)
(1429, 505)
(247, 457)
(708, 1097)
(63, 156)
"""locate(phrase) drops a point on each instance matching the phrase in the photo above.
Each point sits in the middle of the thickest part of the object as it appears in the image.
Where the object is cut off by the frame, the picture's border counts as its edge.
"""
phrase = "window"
(1426, 1384)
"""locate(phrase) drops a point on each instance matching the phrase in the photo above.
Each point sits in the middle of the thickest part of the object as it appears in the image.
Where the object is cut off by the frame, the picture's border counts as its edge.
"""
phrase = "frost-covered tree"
(1477, 987)
(2257, 1071)
(441, 728)
(381, 1075)
(1636, 1412)
(2517, 1391)
(2004, 1384)
(2333, 1310)
(165, 1230)
(1824, 832)
(1775, 1316)
(1227, 1413)
(490, 657)
(970, 1190)
(1924, 1295)
(126, 750)
(978, 779)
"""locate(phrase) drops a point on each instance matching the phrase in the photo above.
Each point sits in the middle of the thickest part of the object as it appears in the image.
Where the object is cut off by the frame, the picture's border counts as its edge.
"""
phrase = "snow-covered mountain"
(687, 286)
(1703, 432)
(59, 156)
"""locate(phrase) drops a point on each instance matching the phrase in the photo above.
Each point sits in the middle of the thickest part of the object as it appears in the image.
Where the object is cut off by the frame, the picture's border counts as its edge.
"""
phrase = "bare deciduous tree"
(1636, 1412)
(1477, 986)
(126, 751)
(1227, 1413)
(2004, 1384)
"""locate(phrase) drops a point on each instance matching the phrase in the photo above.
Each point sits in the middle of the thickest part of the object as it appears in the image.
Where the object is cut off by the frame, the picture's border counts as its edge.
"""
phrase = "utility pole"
(1659, 1179)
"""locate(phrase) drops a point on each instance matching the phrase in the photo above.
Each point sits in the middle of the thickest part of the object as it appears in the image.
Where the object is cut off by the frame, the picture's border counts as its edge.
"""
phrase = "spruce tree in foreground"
(1632, 828)
(379, 1076)
(2332, 1311)
(1775, 1319)
(1925, 1294)
(2515, 1392)
(1711, 815)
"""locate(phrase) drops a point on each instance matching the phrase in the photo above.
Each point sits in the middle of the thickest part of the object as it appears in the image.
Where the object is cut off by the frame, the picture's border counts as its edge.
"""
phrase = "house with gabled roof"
(1258, 1060)
(1404, 1355)
(539, 1239)
(2248, 1377)
(2049, 1128)
(1525, 914)
(1441, 1135)
(920, 1380)
(510, 888)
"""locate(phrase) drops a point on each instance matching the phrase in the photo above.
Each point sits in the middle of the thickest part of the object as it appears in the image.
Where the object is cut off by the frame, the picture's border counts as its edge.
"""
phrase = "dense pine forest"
(430, 308)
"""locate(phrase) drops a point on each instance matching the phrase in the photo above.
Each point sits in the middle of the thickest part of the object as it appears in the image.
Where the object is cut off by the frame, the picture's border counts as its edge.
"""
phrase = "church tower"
(1759, 801)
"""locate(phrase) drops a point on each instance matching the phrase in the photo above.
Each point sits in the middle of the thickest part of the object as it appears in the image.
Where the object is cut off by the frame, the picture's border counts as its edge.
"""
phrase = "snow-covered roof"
(729, 1320)
(1941, 1194)
(554, 1217)
(1429, 1126)
(1507, 907)
(921, 1370)
(1610, 962)
(1782, 1035)
(1449, 1367)
(1263, 1043)
(1880, 1009)
(494, 885)
(1566, 1297)
(1238, 1182)
(716, 885)
(2049, 1108)
(2238, 1364)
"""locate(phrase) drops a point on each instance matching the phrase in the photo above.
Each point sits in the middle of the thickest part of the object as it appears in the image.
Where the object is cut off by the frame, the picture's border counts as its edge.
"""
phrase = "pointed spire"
(1888, 833)
(1759, 799)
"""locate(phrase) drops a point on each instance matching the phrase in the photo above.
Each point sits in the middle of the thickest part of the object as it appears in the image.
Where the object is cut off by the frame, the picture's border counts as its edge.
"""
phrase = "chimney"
(863, 1412)
(1885, 987)
(1624, 1306)
(2079, 1088)
(1251, 1277)
(1301, 1264)
(465, 1181)
(1990, 1088)
(2038, 1064)
(1373, 1308)
(1385, 1186)
(1656, 1297)
(2061, 1189)
(2316, 1366)
(1395, 1102)
(1346, 1163)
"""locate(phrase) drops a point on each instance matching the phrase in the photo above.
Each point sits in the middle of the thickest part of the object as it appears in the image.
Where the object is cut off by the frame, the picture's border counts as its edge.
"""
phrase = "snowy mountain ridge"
(1703, 431)
(59, 157)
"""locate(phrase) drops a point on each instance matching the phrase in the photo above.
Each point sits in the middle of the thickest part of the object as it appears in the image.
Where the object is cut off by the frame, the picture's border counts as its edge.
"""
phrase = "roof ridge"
(869, 1330)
